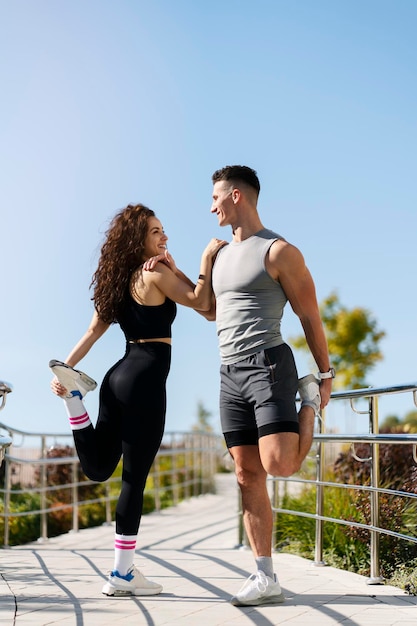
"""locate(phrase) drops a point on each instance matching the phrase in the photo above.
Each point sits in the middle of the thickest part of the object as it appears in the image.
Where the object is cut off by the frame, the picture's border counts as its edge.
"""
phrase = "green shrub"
(296, 534)
(397, 514)
(21, 529)
(347, 546)
(405, 577)
(171, 489)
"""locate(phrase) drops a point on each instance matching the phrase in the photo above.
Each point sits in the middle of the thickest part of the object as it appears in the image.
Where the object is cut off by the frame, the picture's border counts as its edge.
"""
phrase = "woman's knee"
(98, 476)
(99, 472)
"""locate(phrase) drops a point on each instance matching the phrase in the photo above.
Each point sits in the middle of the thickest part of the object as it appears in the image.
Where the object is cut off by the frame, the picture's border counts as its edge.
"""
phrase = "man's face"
(223, 205)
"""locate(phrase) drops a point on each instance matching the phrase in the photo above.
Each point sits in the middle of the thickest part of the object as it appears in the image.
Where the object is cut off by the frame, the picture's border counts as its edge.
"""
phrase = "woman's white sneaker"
(133, 583)
(259, 589)
(71, 379)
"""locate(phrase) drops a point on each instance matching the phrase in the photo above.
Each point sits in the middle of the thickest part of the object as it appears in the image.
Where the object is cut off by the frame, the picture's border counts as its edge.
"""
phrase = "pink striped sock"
(124, 552)
(78, 416)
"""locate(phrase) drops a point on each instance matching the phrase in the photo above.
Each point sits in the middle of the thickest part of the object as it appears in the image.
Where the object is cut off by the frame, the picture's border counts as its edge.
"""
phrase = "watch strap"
(329, 374)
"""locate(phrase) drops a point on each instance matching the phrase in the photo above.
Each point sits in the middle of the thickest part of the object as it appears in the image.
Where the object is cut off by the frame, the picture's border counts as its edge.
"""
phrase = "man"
(253, 278)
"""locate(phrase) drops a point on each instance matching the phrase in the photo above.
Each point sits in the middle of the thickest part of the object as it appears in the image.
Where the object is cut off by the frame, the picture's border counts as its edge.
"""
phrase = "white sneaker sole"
(110, 590)
(71, 378)
(279, 599)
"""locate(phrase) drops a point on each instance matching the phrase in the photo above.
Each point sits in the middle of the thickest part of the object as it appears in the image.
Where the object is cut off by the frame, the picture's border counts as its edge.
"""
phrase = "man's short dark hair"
(238, 173)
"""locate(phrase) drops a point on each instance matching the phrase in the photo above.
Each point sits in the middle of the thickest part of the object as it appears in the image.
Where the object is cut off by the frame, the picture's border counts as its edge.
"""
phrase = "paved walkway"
(190, 549)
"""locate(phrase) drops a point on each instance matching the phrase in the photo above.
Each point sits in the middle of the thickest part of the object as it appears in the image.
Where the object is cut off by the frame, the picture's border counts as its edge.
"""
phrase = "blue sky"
(105, 103)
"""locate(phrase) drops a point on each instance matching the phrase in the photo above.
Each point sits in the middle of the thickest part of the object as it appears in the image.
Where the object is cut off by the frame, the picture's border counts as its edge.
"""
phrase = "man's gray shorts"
(257, 396)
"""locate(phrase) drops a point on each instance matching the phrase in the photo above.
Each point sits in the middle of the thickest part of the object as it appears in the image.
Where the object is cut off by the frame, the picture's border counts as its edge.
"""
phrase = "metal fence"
(323, 442)
(5, 440)
(186, 464)
(44, 469)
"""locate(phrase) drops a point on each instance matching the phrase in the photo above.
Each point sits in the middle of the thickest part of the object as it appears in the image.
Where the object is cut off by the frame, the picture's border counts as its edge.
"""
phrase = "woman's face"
(156, 239)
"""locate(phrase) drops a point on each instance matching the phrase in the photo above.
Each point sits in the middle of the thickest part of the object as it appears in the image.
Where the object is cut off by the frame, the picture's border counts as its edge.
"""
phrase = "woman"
(132, 405)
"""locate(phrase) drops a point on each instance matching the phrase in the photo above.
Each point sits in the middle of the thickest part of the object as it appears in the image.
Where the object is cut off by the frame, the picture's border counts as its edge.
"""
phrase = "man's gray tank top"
(249, 302)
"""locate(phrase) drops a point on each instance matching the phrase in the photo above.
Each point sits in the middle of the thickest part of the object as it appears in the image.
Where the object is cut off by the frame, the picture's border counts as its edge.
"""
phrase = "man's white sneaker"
(259, 589)
(71, 379)
(309, 390)
(133, 584)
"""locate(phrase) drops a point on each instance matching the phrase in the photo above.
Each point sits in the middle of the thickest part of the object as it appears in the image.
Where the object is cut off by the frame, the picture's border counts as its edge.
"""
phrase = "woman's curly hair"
(121, 255)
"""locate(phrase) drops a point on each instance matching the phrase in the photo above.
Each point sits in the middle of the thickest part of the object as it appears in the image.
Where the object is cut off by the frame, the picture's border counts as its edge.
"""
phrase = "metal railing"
(44, 469)
(186, 464)
(5, 441)
(374, 489)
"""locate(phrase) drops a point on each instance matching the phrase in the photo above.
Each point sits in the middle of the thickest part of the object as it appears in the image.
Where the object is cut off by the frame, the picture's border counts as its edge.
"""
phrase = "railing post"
(375, 578)
(275, 505)
(74, 497)
(8, 489)
(187, 466)
(320, 468)
(174, 474)
(43, 476)
(204, 473)
(108, 504)
(241, 535)
(156, 483)
(195, 469)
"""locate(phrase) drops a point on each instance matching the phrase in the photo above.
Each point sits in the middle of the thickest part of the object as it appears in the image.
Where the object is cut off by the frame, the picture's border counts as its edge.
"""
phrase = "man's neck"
(245, 230)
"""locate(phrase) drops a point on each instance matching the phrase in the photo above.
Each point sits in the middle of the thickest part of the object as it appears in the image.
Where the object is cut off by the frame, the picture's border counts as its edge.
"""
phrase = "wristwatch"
(330, 374)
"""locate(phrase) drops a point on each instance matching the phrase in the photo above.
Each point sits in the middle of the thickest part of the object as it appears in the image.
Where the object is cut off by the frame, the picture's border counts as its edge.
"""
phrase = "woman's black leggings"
(131, 423)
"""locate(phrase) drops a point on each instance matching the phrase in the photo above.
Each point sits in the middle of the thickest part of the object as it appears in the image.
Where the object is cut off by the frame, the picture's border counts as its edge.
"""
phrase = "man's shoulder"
(283, 252)
(277, 241)
(267, 233)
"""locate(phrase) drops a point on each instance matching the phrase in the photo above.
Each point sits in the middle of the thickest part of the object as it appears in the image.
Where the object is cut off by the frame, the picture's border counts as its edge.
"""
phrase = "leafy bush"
(296, 534)
(62, 475)
(397, 471)
(405, 577)
(396, 464)
(172, 487)
(347, 546)
(21, 529)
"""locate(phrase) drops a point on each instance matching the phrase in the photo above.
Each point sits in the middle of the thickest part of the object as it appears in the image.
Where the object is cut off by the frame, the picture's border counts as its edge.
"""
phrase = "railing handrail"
(66, 434)
(374, 438)
(368, 392)
(193, 460)
(368, 438)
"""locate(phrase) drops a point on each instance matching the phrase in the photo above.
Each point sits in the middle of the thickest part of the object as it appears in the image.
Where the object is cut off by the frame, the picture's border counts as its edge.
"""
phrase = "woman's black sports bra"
(140, 321)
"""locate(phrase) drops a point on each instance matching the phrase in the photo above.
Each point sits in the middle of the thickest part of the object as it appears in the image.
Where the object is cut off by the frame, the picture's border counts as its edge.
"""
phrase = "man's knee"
(247, 478)
(250, 476)
(279, 453)
(281, 467)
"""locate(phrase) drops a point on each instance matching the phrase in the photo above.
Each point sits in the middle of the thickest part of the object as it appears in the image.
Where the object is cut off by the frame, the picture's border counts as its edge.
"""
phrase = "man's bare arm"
(286, 264)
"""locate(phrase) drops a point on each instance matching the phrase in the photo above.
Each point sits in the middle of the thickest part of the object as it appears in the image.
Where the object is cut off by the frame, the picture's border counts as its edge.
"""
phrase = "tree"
(408, 424)
(411, 420)
(353, 339)
(391, 421)
(203, 417)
